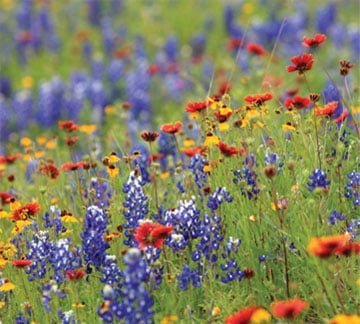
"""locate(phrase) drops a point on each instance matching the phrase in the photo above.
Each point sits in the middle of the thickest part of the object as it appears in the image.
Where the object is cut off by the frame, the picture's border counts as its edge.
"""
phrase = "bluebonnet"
(218, 197)
(318, 179)
(67, 317)
(23, 106)
(246, 179)
(325, 17)
(354, 35)
(141, 163)
(21, 319)
(111, 274)
(334, 217)
(53, 220)
(353, 228)
(232, 29)
(31, 168)
(171, 48)
(108, 35)
(274, 159)
(197, 165)
(136, 206)
(134, 303)
(94, 12)
(4, 119)
(229, 266)
(262, 258)
(332, 93)
(99, 193)
(198, 44)
(188, 276)
(5, 87)
(48, 290)
(167, 147)
(352, 188)
(93, 244)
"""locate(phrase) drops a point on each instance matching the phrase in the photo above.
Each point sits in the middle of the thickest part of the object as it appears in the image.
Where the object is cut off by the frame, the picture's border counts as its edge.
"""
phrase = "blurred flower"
(253, 314)
(345, 319)
(171, 128)
(297, 102)
(326, 246)
(21, 263)
(289, 309)
(318, 180)
(314, 41)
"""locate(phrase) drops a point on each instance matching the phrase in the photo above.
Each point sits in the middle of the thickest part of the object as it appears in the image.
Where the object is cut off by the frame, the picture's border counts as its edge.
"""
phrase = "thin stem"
(326, 293)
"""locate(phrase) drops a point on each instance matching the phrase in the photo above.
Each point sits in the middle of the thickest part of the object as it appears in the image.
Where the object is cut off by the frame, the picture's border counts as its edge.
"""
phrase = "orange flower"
(252, 314)
(349, 249)
(288, 309)
(21, 263)
(315, 41)
(26, 211)
(71, 166)
(190, 152)
(197, 106)
(325, 246)
(171, 128)
(327, 110)
(254, 48)
(258, 99)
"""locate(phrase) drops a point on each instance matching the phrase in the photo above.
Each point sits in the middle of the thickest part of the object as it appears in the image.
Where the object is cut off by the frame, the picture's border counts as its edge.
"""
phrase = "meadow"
(179, 161)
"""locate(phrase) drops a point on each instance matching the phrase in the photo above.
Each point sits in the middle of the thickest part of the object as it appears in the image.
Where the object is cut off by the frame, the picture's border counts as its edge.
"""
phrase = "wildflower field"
(193, 161)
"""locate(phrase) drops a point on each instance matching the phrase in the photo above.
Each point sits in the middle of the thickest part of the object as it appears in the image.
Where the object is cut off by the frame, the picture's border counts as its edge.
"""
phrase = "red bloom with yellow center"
(50, 170)
(324, 247)
(171, 128)
(252, 314)
(297, 102)
(26, 211)
(349, 249)
(314, 41)
(197, 106)
(9, 159)
(5, 198)
(68, 126)
(302, 63)
(288, 309)
(152, 234)
(21, 263)
(73, 166)
(255, 48)
(190, 152)
(258, 99)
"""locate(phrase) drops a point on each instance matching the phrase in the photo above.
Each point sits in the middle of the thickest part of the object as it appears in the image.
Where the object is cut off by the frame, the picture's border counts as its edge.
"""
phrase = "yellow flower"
(69, 219)
(78, 305)
(260, 316)
(2, 167)
(27, 82)
(356, 110)
(2, 304)
(252, 218)
(27, 157)
(41, 139)
(14, 205)
(169, 319)
(25, 141)
(345, 319)
(211, 140)
(248, 8)
(188, 142)
(54, 201)
(224, 111)
(288, 127)
(7, 286)
(88, 129)
(3, 262)
(358, 281)
(4, 214)
(110, 109)
(39, 154)
(112, 170)
(7, 4)
(164, 175)
(20, 225)
(51, 144)
(113, 158)
(194, 116)
(207, 168)
(8, 250)
(223, 127)
(216, 311)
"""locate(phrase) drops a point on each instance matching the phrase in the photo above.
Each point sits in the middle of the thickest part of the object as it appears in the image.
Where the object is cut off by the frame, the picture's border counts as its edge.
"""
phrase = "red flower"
(68, 125)
(222, 116)
(197, 106)
(26, 211)
(9, 159)
(301, 63)
(153, 69)
(243, 316)
(256, 49)
(171, 128)
(21, 263)
(71, 166)
(342, 117)
(327, 110)
(315, 41)
(149, 136)
(50, 170)
(151, 234)
(224, 88)
(349, 249)
(288, 309)
(326, 246)
(190, 152)
(75, 274)
(70, 141)
(227, 150)
(5, 198)
(258, 99)
(297, 102)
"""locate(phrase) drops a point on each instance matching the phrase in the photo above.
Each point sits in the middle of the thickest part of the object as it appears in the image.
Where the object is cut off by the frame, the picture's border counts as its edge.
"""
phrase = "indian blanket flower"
(227, 150)
(23, 263)
(301, 63)
(151, 234)
(258, 99)
(352, 188)
(327, 110)
(350, 248)
(315, 41)
(318, 180)
(245, 178)
(68, 126)
(75, 274)
(297, 102)
(26, 211)
(252, 314)
(193, 107)
(345, 319)
(149, 136)
(171, 128)
(254, 48)
(326, 246)
(289, 309)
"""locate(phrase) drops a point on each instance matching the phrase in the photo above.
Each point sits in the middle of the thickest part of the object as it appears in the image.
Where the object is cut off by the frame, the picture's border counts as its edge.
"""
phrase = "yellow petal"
(88, 129)
(69, 219)
(7, 286)
(223, 127)
(260, 316)
(26, 141)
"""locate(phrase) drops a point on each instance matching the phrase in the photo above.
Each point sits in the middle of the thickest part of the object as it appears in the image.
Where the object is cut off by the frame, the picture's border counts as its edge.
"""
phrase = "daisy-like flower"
(73, 166)
(50, 170)
(171, 128)
(254, 48)
(75, 274)
(314, 41)
(227, 150)
(252, 314)
(151, 234)
(149, 136)
(190, 152)
(297, 102)
(289, 309)
(327, 110)
(258, 99)
(68, 126)
(349, 249)
(25, 212)
(193, 107)
(301, 63)
(345, 319)
(325, 246)
(6, 285)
